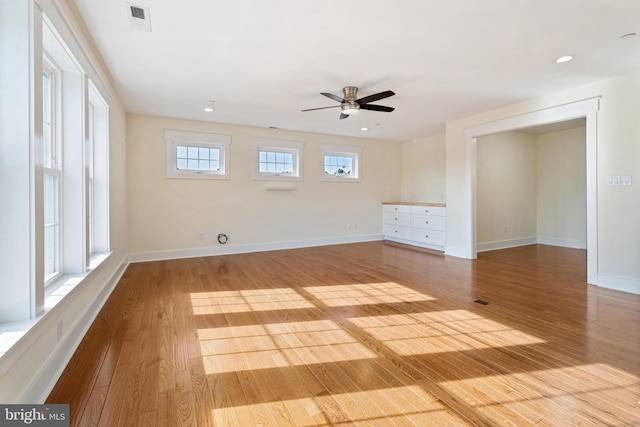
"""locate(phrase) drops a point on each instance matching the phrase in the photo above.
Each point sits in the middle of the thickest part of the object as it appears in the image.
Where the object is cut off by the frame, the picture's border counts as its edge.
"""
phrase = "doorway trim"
(587, 108)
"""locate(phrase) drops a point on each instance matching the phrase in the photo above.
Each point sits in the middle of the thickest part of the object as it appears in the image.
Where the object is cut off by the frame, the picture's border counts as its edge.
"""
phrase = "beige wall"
(506, 187)
(423, 170)
(618, 151)
(561, 188)
(168, 214)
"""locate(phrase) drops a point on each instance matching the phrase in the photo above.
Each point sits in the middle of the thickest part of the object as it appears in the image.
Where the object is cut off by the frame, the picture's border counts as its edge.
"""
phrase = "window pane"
(192, 164)
(47, 142)
(203, 153)
(182, 152)
(50, 251)
(192, 152)
(279, 157)
(203, 165)
(214, 165)
(271, 167)
(214, 154)
(51, 234)
(182, 164)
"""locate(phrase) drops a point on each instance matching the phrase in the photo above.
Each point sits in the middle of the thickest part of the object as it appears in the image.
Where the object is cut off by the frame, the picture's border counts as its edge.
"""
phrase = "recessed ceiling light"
(363, 129)
(208, 109)
(564, 58)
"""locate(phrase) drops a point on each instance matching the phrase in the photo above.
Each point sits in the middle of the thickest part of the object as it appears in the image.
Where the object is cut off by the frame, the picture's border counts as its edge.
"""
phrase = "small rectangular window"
(277, 159)
(197, 155)
(340, 163)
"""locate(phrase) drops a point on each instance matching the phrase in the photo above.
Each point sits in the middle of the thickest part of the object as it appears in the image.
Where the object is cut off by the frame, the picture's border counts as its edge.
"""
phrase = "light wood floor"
(360, 334)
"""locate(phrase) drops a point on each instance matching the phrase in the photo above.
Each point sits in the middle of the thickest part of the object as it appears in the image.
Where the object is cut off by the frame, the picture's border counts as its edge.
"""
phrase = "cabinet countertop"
(442, 205)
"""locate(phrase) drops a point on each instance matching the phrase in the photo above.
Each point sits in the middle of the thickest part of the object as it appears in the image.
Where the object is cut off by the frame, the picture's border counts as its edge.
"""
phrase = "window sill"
(338, 178)
(12, 332)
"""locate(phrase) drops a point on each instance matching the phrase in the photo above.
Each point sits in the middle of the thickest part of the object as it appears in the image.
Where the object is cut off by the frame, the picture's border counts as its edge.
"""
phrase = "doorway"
(586, 109)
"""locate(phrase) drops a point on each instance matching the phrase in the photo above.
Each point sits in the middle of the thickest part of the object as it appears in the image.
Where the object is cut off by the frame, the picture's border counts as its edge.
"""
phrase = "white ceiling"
(264, 61)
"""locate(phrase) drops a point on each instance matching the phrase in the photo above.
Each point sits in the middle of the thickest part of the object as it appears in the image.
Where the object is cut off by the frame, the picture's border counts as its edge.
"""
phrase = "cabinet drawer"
(427, 222)
(428, 210)
(399, 232)
(396, 209)
(396, 219)
(431, 237)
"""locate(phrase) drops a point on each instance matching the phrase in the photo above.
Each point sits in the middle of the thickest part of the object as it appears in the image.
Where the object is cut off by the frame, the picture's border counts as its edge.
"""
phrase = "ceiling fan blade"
(376, 108)
(332, 96)
(375, 97)
(343, 116)
(320, 108)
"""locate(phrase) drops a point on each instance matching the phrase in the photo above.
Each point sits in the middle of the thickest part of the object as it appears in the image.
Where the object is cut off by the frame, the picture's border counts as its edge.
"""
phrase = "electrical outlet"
(201, 235)
(355, 226)
(59, 331)
(505, 229)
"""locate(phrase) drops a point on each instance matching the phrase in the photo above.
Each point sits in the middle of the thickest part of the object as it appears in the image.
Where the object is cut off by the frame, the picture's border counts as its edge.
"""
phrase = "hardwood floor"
(360, 334)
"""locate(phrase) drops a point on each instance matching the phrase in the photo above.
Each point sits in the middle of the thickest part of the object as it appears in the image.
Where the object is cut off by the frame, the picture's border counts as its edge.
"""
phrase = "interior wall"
(506, 190)
(423, 170)
(618, 133)
(561, 189)
(169, 214)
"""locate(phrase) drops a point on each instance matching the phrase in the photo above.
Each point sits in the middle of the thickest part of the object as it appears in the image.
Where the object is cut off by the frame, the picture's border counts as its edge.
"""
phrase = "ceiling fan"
(351, 104)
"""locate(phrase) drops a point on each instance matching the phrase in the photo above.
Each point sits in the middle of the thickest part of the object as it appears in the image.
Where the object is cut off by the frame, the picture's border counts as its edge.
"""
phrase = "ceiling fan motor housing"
(350, 93)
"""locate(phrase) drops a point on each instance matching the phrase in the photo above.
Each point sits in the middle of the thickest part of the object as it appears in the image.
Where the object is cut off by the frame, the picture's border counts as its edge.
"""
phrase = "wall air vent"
(139, 17)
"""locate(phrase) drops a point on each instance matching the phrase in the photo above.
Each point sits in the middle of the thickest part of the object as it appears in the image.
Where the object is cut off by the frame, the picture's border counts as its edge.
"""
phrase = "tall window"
(51, 172)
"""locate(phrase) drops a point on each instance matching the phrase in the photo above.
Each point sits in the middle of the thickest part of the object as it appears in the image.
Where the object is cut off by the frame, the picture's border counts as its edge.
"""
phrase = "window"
(51, 173)
(277, 159)
(195, 155)
(48, 206)
(340, 163)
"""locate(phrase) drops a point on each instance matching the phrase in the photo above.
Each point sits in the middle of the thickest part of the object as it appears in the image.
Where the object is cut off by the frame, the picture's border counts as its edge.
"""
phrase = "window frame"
(296, 148)
(175, 138)
(354, 152)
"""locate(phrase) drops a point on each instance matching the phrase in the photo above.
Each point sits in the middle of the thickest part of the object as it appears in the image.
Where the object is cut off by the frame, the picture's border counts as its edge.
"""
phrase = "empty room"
(320, 213)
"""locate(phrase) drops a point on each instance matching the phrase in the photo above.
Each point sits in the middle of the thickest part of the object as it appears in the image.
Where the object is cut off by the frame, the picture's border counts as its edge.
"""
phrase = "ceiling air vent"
(139, 17)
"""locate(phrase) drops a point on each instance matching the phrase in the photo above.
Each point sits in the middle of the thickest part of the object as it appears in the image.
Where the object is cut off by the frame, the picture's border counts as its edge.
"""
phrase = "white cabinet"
(416, 224)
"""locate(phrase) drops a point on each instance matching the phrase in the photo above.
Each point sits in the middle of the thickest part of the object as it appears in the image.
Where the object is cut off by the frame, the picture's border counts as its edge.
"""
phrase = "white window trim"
(174, 138)
(341, 150)
(295, 147)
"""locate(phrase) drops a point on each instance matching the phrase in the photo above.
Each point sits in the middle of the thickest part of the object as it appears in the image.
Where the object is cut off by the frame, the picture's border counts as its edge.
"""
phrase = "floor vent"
(479, 301)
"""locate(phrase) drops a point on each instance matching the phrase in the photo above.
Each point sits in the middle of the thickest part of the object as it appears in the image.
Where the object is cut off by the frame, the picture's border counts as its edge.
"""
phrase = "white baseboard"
(504, 244)
(566, 243)
(623, 284)
(50, 372)
(241, 249)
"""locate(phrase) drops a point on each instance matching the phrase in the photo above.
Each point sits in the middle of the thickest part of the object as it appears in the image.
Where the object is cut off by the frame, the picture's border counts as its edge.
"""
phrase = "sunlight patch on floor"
(366, 293)
(551, 394)
(247, 300)
(407, 405)
(441, 331)
(237, 348)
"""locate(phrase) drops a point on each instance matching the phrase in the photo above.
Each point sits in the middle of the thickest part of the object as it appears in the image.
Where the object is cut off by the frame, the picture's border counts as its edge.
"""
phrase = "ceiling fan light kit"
(350, 104)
